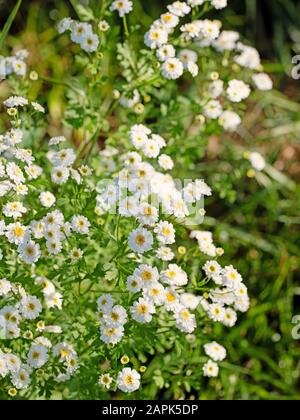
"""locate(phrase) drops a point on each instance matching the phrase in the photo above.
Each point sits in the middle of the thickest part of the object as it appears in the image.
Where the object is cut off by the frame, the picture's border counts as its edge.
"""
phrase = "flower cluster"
(81, 33)
(14, 64)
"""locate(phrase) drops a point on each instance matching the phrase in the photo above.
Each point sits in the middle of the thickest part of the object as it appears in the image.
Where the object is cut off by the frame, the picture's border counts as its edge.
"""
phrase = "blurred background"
(258, 214)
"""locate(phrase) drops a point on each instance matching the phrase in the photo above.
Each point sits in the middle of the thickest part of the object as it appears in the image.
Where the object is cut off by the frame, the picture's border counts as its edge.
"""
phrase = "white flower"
(215, 88)
(219, 4)
(15, 101)
(213, 271)
(257, 161)
(210, 29)
(249, 57)
(15, 233)
(60, 175)
(103, 26)
(19, 67)
(148, 215)
(29, 252)
(105, 302)
(130, 100)
(151, 148)
(64, 25)
(211, 369)
(54, 300)
(38, 107)
(216, 312)
(80, 224)
(231, 277)
(165, 162)
(172, 68)
(226, 41)
(47, 199)
(5, 287)
(237, 90)
(165, 232)
(13, 137)
(105, 380)
(140, 240)
(193, 68)
(146, 274)
(116, 316)
(191, 30)
(142, 311)
(174, 276)
(15, 173)
(165, 253)
(30, 307)
(194, 3)
(133, 284)
(37, 356)
(111, 335)
(230, 120)
(128, 380)
(262, 81)
(33, 171)
(185, 321)
(179, 8)
(123, 7)
(215, 351)
(90, 43)
(189, 300)
(169, 20)
(14, 209)
(230, 317)
(56, 140)
(213, 109)
(21, 378)
(156, 37)
(80, 30)
(154, 293)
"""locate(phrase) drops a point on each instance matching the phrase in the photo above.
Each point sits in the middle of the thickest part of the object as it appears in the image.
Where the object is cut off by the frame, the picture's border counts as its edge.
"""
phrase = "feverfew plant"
(104, 261)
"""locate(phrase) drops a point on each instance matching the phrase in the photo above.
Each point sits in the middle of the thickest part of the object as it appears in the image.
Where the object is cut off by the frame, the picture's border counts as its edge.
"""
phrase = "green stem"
(125, 25)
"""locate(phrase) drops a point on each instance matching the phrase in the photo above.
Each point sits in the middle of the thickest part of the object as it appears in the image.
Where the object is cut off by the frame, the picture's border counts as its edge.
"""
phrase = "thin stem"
(125, 25)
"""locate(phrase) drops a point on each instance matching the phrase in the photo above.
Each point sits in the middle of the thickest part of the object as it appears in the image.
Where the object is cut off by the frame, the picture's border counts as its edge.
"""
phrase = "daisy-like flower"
(76, 254)
(165, 162)
(172, 68)
(212, 270)
(169, 20)
(140, 240)
(215, 351)
(111, 335)
(21, 378)
(30, 307)
(90, 43)
(133, 284)
(33, 171)
(37, 356)
(213, 109)
(14, 209)
(219, 4)
(60, 175)
(174, 276)
(80, 224)
(216, 312)
(262, 81)
(5, 287)
(56, 140)
(116, 316)
(15, 173)
(165, 52)
(211, 369)
(230, 120)
(148, 215)
(231, 277)
(154, 293)
(79, 31)
(165, 253)
(230, 318)
(257, 161)
(47, 199)
(146, 274)
(29, 252)
(123, 7)
(165, 232)
(128, 380)
(103, 26)
(15, 101)
(105, 302)
(142, 311)
(38, 107)
(156, 37)
(15, 233)
(105, 380)
(185, 321)
(13, 137)
(179, 8)
(237, 90)
(64, 25)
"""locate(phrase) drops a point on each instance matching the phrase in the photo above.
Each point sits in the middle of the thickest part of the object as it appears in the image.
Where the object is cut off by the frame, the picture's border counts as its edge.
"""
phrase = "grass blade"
(9, 22)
